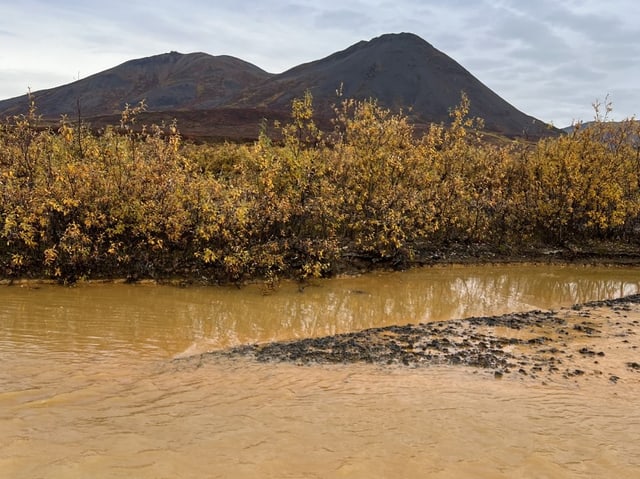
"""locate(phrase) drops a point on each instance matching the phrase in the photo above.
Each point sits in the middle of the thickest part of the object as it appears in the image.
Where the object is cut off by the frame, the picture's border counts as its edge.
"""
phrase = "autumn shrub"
(137, 201)
(291, 203)
(381, 182)
(584, 185)
(121, 202)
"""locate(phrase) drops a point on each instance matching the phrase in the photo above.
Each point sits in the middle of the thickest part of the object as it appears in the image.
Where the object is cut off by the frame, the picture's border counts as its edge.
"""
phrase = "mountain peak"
(400, 70)
(403, 38)
(167, 81)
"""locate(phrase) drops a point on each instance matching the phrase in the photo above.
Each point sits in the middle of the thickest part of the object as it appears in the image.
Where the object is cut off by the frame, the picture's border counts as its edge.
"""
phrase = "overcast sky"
(551, 59)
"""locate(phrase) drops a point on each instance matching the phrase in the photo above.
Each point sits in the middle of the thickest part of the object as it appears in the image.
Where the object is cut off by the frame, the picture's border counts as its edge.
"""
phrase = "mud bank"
(591, 340)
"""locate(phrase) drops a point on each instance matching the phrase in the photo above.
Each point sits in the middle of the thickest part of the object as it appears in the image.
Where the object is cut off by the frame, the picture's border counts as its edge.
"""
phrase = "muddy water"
(89, 387)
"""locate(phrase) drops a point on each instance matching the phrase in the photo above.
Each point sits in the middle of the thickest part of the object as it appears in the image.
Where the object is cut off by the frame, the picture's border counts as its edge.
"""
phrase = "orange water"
(89, 386)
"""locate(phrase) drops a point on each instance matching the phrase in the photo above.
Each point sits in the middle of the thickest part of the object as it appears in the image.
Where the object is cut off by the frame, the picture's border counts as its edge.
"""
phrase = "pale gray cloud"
(550, 59)
(341, 19)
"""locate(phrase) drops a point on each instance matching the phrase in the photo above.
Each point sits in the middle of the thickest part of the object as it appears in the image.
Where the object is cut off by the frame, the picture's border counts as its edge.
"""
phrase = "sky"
(551, 59)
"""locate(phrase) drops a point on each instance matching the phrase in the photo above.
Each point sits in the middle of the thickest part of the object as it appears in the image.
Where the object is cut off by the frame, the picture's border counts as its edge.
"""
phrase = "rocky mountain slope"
(402, 71)
(170, 81)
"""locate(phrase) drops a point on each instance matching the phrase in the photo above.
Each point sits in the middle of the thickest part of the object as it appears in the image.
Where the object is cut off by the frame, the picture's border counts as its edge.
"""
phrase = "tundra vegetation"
(137, 202)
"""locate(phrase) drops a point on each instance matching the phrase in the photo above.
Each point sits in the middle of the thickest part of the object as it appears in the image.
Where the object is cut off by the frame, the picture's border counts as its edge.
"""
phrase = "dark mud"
(595, 339)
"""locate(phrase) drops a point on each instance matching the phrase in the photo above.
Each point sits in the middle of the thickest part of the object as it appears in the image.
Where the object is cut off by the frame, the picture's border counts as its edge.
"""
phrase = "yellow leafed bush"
(136, 201)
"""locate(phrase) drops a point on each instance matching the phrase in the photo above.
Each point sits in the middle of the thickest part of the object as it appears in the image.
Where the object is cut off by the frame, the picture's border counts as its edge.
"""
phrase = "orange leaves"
(586, 183)
(137, 201)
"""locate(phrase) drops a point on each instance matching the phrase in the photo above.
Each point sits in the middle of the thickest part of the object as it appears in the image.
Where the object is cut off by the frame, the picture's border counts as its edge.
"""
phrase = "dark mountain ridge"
(169, 81)
(401, 71)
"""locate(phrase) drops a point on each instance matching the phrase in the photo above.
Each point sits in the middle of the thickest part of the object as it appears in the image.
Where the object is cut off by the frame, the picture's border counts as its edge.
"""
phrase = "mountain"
(627, 130)
(401, 71)
(170, 81)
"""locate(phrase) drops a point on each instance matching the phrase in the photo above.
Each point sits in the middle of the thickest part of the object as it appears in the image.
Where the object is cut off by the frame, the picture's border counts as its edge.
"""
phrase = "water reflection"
(86, 389)
(152, 319)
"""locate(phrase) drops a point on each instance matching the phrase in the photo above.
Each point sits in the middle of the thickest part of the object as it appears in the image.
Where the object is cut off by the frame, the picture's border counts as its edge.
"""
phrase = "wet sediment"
(594, 339)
